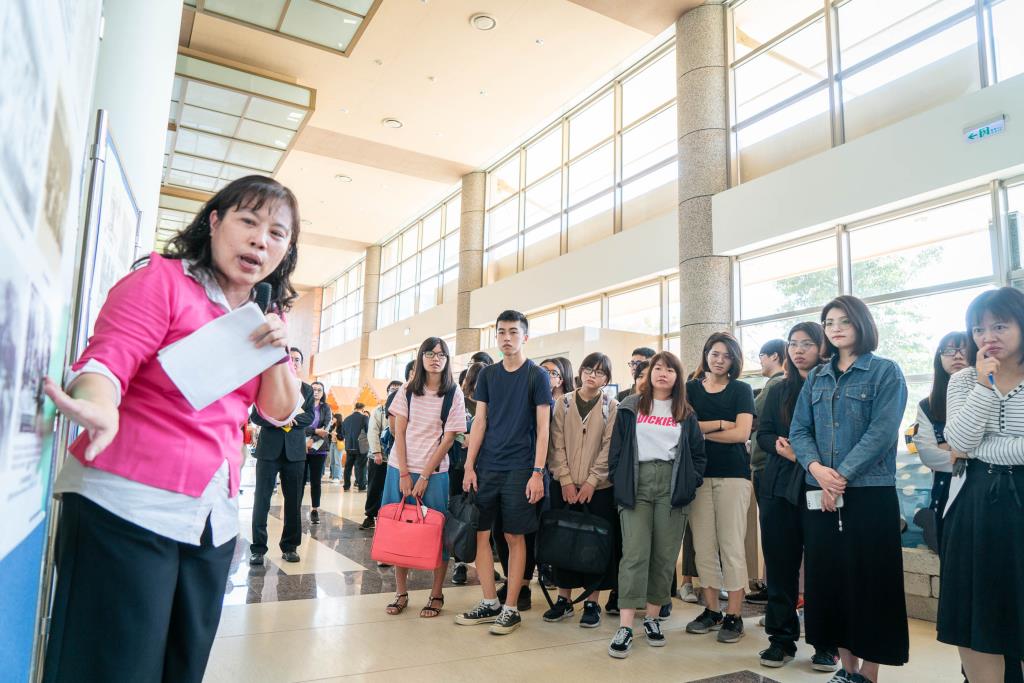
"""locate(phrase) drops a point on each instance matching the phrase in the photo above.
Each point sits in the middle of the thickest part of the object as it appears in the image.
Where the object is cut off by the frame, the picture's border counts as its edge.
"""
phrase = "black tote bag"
(461, 522)
(576, 541)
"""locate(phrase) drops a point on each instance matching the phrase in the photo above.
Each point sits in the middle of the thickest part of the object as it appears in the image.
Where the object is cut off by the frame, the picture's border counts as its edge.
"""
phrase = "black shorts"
(506, 491)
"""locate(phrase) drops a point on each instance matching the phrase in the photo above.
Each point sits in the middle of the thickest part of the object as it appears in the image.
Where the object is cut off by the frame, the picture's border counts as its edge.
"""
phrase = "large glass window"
(891, 60)
(429, 272)
(649, 88)
(943, 244)
(341, 312)
(790, 279)
(638, 310)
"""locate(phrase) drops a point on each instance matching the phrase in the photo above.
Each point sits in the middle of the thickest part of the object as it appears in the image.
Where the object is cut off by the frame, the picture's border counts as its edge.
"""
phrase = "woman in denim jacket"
(844, 432)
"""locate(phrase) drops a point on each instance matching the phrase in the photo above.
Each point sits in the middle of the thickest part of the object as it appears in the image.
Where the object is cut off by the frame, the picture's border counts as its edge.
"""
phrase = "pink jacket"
(162, 441)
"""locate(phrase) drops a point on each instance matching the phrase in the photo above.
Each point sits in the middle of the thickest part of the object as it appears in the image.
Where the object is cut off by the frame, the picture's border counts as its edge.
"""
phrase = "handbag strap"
(587, 590)
(420, 517)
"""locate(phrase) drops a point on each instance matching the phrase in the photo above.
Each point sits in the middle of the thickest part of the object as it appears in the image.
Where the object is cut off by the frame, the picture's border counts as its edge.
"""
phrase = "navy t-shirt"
(510, 441)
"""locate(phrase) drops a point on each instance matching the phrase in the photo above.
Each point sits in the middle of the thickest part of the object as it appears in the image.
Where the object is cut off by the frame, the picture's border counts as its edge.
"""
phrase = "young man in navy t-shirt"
(508, 447)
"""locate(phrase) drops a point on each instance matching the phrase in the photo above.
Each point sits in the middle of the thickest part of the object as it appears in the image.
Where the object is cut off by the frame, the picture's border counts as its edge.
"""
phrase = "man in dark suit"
(353, 427)
(281, 450)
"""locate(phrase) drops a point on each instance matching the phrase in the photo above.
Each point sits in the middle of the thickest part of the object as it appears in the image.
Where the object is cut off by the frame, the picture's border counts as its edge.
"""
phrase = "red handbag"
(405, 537)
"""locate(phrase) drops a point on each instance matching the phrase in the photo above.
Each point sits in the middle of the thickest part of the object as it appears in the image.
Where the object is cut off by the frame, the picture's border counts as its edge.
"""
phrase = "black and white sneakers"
(508, 621)
(652, 631)
(622, 643)
(481, 614)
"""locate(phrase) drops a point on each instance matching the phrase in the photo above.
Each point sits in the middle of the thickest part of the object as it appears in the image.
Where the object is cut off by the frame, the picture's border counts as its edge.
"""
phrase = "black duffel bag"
(461, 522)
(575, 541)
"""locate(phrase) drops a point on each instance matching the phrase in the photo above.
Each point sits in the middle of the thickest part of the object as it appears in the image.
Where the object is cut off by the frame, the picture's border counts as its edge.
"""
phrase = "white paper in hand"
(218, 358)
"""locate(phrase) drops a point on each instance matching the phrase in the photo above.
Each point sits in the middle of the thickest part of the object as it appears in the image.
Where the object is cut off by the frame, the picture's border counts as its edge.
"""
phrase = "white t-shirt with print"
(657, 434)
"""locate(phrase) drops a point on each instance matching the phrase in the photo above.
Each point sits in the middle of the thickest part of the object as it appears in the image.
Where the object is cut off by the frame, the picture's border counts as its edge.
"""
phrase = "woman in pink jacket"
(150, 497)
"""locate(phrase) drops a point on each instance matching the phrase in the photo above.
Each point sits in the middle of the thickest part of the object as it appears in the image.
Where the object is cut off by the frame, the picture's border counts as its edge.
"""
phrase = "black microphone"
(263, 294)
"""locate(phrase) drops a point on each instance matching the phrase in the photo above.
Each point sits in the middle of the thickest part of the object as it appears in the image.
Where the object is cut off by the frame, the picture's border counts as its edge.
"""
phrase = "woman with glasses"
(782, 502)
(981, 599)
(318, 442)
(418, 463)
(934, 451)
(581, 432)
(560, 371)
(718, 517)
(844, 433)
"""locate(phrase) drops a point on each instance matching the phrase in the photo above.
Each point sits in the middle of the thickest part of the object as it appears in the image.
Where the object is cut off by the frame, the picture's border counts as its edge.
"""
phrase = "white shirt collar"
(209, 283)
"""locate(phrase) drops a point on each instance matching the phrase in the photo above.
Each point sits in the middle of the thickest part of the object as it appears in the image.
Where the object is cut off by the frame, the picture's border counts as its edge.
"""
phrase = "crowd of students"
(682, 453)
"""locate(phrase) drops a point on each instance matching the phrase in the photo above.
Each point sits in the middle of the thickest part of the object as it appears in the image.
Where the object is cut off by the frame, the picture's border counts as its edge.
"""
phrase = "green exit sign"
(985, 130)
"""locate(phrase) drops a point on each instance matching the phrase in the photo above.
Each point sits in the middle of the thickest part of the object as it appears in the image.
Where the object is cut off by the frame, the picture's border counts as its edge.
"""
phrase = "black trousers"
(131, 605)
(782, 542)
(292, 475)
(375, 476)
(314, 474)
(358, 461)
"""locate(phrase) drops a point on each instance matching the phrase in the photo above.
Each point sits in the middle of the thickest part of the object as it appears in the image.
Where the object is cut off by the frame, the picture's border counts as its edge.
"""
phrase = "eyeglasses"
(554, 373)
(591, 372)
(952, 351)
(431, 355)
(634, 363)
(805, 345)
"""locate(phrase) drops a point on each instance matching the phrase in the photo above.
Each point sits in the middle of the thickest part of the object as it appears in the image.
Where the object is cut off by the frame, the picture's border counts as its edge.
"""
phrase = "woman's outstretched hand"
(99, 418)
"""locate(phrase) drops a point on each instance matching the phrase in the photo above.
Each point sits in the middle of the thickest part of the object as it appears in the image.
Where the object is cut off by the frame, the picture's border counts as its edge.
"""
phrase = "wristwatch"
(538, 470)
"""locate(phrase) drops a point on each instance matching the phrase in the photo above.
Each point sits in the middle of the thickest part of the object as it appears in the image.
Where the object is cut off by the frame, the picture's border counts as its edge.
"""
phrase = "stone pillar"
(471, 259)
(705, 280)
(371, 297)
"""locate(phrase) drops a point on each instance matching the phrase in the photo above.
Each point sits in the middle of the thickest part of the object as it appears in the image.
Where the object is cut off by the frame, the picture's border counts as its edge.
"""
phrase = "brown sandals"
(400, 603)
(429, 612)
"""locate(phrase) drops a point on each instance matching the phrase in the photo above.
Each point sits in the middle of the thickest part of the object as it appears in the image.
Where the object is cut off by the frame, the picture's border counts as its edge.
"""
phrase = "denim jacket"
(852, 425)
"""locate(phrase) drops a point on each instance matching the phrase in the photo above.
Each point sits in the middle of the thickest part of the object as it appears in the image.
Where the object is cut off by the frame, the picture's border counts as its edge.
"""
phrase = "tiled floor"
(323, 619)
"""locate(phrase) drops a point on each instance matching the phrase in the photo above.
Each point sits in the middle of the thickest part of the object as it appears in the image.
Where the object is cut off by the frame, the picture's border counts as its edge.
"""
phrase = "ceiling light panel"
(220, 113)
(333, 25)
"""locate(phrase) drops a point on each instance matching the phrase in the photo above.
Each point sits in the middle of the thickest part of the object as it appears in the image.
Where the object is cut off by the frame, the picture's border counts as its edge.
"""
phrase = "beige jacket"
(578, 449)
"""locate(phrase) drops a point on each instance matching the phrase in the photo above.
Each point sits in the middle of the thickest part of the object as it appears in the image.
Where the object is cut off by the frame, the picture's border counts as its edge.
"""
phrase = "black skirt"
(602, 505)
(981, 597)
(853, 585)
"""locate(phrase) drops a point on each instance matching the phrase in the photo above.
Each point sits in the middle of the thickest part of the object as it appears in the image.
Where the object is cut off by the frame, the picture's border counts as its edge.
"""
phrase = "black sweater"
(781, 478)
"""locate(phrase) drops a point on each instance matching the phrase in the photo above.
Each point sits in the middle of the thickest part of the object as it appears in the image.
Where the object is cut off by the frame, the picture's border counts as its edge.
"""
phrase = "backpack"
(446, 408)
(459, 451)
(387, 439)
(605, 401)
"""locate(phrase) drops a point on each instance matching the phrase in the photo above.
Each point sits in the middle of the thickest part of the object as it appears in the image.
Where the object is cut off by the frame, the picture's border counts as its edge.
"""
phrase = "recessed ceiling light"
(432, 79)
(483, 22)
(483, 92)
(438, 133)
(379, 62)
(539, 41)
(344, 110)
(391, 123)
(343, 178)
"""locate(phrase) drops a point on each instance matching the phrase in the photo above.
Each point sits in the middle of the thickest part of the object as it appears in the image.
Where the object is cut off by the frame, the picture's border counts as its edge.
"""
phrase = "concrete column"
(705, 280)
(371, 298)
(471, 259)
(134, 76)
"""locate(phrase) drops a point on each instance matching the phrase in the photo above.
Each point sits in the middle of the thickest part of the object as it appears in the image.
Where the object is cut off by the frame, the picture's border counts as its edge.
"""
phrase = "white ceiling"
(449, 127)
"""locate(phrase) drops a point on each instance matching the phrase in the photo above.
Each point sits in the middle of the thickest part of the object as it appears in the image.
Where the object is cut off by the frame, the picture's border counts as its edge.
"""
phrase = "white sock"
(490, 602)
(510, 608)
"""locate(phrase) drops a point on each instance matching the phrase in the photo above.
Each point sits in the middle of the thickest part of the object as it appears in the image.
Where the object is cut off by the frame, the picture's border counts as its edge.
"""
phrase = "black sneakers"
(666, 611)
(314, 516)
(256, 559)
(707, 621)
(368, 523)
(652, 630)
(732, 629)
(612, 606)
(459, 577)
(775, 657)
(622, 643)
(562, 609)
(825, 660)
(481, 614)
(508, 621)
(523, 603)
(758, 597)
(591, 615)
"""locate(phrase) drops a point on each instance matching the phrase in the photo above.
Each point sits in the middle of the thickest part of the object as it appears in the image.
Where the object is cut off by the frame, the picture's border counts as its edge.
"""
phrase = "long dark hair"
(731, 344)
(418, 383)
(565, 369)
(793, 382)
(940, 380)
(323, 399)
(681, 408)
(469, 382)
(252, 192)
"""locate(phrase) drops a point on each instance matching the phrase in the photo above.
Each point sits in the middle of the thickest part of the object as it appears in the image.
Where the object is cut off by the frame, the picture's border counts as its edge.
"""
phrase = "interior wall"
(304, 324)
(134, 77)
(920, 157)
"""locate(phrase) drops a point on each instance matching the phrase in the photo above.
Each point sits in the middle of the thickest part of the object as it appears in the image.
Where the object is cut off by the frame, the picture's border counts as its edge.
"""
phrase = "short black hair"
(775, 347)
(645, 351)
(481, 357)
(394, 385)
(295, 349)
(359, 406)
(1005, 304)
(408, 369)
(860, 317)
(597, 361)
(511, 316)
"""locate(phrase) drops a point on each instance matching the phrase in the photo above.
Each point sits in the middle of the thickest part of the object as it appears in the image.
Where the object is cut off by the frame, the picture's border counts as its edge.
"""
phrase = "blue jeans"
(335, 462)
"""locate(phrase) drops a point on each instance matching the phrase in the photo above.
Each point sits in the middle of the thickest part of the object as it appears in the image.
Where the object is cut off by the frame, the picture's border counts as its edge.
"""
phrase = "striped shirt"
(423, 433)
(981, 424)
